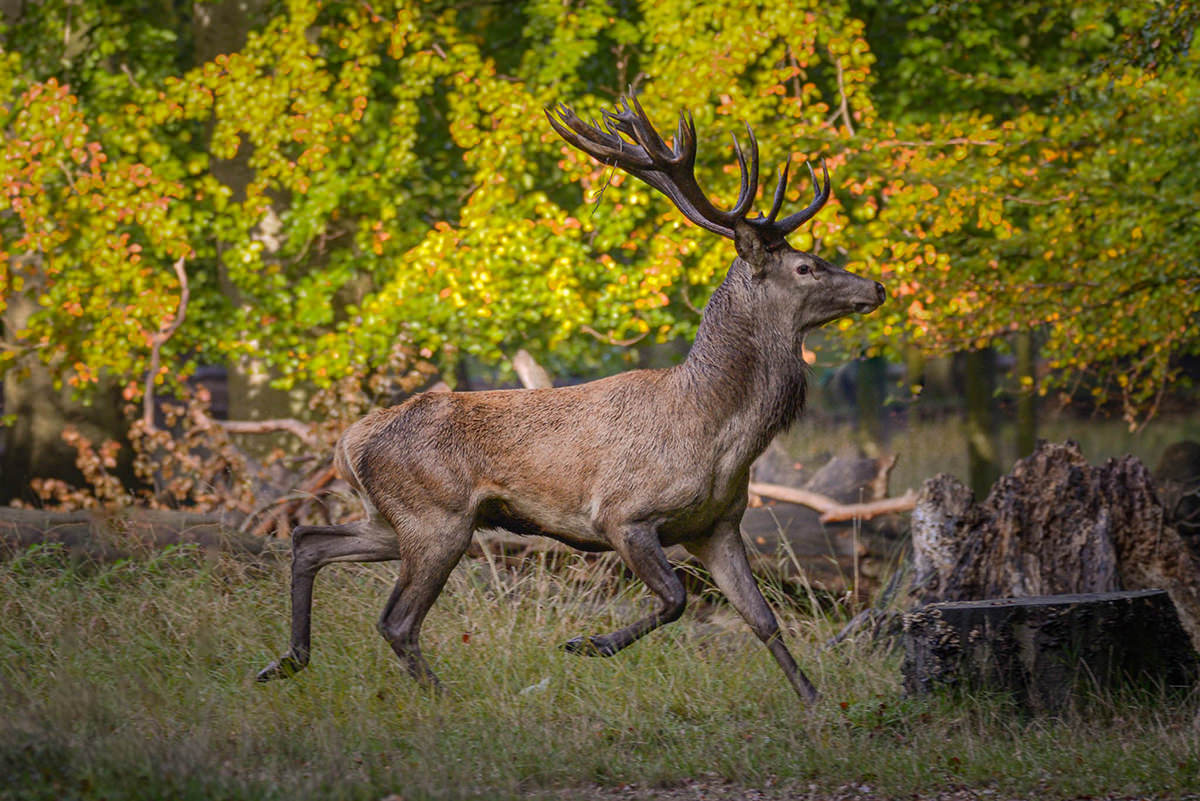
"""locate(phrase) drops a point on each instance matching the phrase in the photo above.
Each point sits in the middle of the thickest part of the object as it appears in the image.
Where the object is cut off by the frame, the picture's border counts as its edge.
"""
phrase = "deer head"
(794, 285)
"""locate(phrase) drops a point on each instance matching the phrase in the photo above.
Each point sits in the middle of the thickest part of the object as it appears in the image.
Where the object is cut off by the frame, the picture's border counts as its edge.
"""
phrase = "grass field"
(134, 680)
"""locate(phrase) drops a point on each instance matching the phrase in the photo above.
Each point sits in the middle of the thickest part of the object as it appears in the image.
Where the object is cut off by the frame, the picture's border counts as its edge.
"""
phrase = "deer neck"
(745, 371)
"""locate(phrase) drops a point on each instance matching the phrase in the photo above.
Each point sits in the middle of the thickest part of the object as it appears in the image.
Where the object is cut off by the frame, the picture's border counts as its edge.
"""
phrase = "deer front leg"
(313, 547)
(725, 557)
(638, 547)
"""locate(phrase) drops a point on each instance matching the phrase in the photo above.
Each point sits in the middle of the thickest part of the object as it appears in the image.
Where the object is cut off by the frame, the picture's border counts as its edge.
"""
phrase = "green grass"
(134, 680)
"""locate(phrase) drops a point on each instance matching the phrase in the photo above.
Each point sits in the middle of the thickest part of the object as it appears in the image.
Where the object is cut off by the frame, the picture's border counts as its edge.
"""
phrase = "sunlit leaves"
(355, 174)
(84, 240)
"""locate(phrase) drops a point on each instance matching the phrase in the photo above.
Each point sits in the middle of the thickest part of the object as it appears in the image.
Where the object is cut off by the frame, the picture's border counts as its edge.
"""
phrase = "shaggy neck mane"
(745, 368)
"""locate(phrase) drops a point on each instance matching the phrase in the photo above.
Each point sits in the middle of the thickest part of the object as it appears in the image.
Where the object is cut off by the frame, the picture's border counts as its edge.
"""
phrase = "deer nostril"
(880, 291)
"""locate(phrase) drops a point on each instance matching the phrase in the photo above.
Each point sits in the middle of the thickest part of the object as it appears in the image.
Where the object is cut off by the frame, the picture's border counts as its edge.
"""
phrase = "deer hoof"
(589, 646)
(283, 668)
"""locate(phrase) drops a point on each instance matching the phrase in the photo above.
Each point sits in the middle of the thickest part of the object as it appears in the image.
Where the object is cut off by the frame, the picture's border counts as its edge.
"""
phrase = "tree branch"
(624, 343)
(164, 333)
(958, 140)
(832, 511)
(845, 108)
(532, 374)
(288, 424)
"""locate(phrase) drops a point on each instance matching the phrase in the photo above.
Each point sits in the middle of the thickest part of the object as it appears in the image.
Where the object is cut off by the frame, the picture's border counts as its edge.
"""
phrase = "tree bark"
(1026, 353)
(106, 537)
(983, 463)
(1054, 525)
(1048, 650)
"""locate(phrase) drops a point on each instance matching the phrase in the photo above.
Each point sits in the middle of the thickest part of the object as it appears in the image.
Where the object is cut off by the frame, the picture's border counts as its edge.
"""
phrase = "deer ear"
(749, 246)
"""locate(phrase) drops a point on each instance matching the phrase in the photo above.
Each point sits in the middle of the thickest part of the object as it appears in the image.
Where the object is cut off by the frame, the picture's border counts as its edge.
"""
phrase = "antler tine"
(749, 179)
(685, 140)
(781, 190)
(644, 133)
(630, 141)
(820, 196)
(607, 147)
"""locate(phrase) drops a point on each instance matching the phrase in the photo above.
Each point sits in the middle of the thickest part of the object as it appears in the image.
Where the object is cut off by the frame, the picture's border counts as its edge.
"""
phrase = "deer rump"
(629, 463)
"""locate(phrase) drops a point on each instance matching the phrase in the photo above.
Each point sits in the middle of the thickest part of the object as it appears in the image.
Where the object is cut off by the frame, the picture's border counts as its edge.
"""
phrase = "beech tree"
(360, 184)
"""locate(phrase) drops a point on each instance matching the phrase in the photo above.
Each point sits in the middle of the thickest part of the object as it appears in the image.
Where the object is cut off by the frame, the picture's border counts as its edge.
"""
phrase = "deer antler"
(671, 170)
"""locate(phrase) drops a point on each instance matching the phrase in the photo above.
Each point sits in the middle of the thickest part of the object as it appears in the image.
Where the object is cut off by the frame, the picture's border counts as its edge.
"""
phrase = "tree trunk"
(1026, 352)
(103, 537)
(223, 27)
(33, 446)
(983, 461)
(1048, 650)
(870, 393)
(1177, 479)
(914, 371)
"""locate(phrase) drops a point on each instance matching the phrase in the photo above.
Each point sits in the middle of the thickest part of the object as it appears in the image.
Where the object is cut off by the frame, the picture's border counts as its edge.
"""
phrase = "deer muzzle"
(864, 306)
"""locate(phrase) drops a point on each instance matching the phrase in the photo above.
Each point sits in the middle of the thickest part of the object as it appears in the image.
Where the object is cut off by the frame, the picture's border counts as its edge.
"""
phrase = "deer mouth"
(865, 307)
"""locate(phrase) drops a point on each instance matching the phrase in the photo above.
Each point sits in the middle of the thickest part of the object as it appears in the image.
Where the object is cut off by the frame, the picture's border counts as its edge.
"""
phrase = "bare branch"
(796, 88)
(813, 500)
(866, 511)
(532, 374)
(283, 507)
(1031, 202)
(610, 340)
(832, 511)
(845, 107)
(164, 333)
(288, 424)
(957, 140)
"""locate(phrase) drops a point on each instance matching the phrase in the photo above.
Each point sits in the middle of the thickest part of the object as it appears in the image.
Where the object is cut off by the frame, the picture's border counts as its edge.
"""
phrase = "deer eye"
(803, 269)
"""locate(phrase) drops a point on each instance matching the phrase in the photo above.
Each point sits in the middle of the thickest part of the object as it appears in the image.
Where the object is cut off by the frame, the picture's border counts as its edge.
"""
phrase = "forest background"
(336, 201)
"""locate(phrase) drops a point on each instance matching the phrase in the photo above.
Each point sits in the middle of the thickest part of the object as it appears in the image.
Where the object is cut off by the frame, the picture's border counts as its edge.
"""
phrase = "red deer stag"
(631, 463)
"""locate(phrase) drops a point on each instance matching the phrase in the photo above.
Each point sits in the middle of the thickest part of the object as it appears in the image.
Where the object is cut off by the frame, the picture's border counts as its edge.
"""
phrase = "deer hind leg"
(313, 547)
(725, 557)
(639, 548)
(426, 564)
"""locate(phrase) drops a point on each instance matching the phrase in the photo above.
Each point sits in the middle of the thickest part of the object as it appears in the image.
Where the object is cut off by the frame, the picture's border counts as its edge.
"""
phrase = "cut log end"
(1047, 650)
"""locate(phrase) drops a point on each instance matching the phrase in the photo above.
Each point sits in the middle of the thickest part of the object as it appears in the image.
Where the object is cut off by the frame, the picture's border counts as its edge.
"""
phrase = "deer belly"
(500, 513)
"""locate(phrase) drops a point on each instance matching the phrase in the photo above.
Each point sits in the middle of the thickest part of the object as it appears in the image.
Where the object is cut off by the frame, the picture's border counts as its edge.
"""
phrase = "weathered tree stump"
(1046, 650)
(1055, 525)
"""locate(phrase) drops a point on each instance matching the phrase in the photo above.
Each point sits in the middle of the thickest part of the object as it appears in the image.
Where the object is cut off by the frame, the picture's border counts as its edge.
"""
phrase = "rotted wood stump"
(1047, 649)
(1055, 525)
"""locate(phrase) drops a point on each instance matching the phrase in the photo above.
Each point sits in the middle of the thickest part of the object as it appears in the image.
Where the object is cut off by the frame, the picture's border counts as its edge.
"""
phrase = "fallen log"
(106, 536)
(1048, 650)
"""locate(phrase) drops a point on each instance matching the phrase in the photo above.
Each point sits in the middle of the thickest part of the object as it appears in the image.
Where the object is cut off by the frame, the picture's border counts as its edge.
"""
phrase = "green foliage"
(354, 174)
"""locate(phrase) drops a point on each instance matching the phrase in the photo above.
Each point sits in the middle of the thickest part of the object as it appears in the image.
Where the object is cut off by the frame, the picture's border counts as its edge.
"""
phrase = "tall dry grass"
(134, 680)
